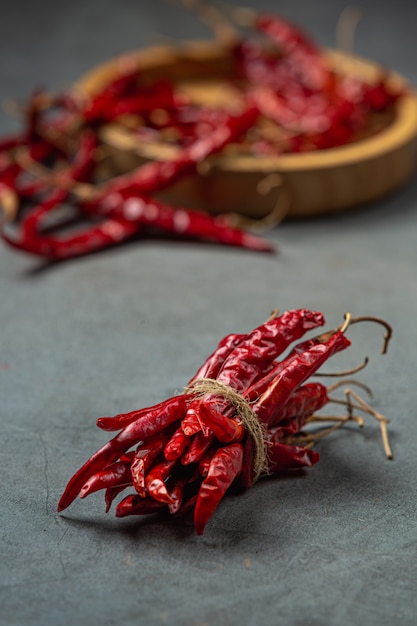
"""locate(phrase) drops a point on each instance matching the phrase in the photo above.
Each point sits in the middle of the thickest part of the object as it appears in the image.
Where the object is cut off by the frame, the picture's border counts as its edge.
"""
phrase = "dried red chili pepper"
(302, 55)
(256, 352)
(224, 429)
(175, 472)
(177, 445)
(265, 343)
(295, 374)
(156, 479)
(124, 419)
(97, 237)
(214, 362)
(132, 434)
(135, 505)
(115, 475)
(144, 457)
(289, 82)
(185, 222)
(157, 175)
(200, 444)
(125, 84)
(303, 402)
(225, 466)
(284, 457)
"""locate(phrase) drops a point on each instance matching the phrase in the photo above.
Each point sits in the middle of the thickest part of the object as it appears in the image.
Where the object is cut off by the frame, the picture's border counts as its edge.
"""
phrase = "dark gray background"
(125, 328)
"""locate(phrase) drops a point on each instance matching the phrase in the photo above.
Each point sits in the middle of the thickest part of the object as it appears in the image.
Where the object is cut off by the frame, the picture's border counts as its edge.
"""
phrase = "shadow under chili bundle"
(249, 411)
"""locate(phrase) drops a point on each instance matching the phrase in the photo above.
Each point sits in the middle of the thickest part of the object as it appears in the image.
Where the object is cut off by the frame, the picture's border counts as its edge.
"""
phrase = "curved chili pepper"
(110, 452)
(304, 401)
(146, 454)
(264, 344)
(115, 475)
(214, 362)
(156, 479)
(226, 430)
(110, 231)
(225, 466)
(135, 505)
(191, 424)
(124, 419)
(177, 445)
(110, 494)
(204, 464)
(261, 347)
(161, 96)
(156, 175)
(260, 385)
(178, 491)
(331, 124)
(198, 447)
(96, 107)
(282, 457)
(185, 222)
(297, 371)
(302, 55)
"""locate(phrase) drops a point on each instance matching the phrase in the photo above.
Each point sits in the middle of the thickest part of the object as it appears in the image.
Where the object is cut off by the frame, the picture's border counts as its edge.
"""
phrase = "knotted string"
(204, 386)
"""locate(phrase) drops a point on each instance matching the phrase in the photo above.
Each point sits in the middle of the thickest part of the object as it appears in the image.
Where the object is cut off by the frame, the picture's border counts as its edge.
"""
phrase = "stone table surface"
(127, 327)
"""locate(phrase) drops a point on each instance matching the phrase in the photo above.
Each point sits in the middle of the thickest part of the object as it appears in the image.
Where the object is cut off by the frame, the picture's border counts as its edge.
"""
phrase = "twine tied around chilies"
(202, 387)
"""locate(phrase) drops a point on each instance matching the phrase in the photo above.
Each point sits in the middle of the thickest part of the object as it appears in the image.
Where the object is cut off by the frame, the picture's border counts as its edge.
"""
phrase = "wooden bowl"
(266, 188)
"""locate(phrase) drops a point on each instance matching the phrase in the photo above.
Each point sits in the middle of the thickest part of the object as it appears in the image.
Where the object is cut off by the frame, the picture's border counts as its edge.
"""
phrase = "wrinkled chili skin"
(124, 419)
(174, 471)
(224, 429)
(155, 482)
(264, 344)
(260, 348)
(135, 505)
(225, 466)
(261, 384)
(295, 374)
(289, 457)
(197, 449)
(146, 454)
(177, 445)
(214, 362)
(304, 401)
(110, 452)
(115, 475)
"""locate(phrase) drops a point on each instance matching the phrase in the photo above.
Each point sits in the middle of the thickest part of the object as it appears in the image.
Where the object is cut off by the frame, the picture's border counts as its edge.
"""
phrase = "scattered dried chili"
(284, 83)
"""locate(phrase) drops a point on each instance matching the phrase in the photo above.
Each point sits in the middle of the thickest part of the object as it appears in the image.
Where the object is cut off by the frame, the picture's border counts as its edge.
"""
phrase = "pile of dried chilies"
(55, 172)
(244, 414)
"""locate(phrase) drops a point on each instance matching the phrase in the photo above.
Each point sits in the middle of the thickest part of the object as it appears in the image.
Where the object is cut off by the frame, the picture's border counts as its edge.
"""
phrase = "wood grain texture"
(292, 185)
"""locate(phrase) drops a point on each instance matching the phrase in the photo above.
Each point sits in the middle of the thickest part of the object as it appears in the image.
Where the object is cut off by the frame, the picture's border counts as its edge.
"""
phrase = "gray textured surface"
(127, 327)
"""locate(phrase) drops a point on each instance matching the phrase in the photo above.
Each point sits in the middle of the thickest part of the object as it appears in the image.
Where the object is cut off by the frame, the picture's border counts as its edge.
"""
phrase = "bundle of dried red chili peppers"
(56, 172)
(243, 415)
